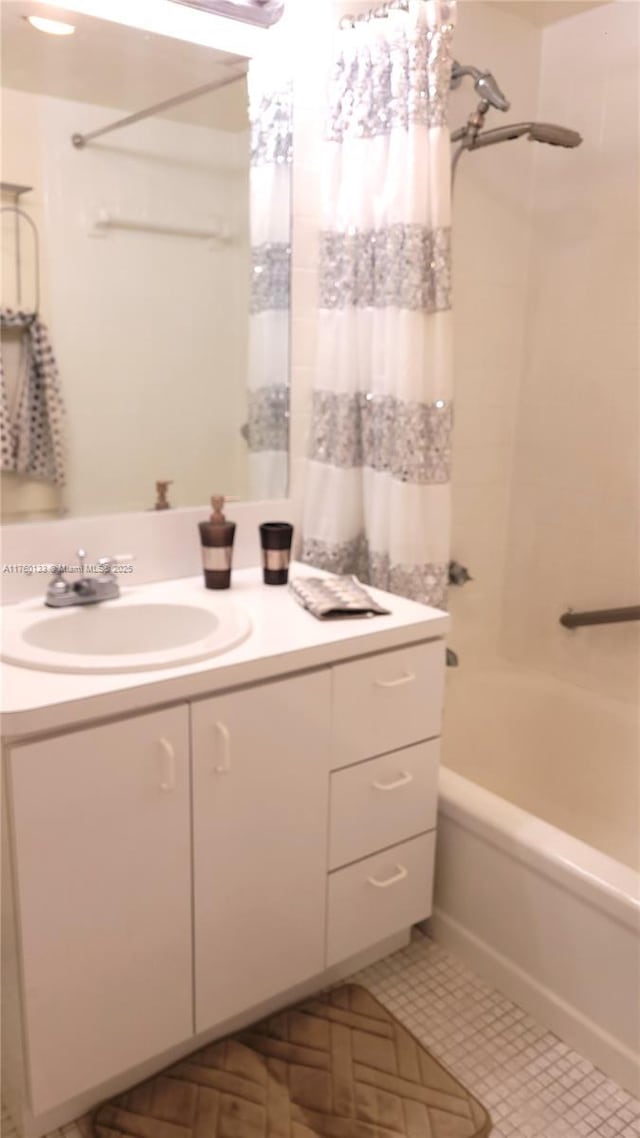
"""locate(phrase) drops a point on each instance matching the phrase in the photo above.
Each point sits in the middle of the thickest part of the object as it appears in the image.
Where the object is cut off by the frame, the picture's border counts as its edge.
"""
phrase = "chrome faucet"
(86, 590)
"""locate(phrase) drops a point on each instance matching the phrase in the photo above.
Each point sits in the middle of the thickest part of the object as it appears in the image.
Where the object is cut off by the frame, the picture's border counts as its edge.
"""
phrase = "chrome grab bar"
(572, 619)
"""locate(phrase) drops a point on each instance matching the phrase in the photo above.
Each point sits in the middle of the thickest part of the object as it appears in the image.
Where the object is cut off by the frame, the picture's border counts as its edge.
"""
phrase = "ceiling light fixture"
(52, 27)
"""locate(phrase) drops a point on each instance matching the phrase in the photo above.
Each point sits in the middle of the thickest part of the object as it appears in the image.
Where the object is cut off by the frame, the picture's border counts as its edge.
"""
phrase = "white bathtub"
(547, 917)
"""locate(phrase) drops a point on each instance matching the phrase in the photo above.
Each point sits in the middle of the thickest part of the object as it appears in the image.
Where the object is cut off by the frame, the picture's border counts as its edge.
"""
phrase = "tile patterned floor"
(532, 1083)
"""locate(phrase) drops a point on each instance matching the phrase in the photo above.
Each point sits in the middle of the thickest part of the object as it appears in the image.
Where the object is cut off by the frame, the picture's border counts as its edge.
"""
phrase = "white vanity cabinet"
(260, 807)
(177, 867)
(101, 831)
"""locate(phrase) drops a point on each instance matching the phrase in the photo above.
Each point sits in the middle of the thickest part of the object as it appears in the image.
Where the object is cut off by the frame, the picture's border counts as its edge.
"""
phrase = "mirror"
(161, 270)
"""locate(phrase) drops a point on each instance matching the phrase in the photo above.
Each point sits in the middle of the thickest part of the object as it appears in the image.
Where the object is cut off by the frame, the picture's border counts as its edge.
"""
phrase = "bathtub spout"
(458, 574)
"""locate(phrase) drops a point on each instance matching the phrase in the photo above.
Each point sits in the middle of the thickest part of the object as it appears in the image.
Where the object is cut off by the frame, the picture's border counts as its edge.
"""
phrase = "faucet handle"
(57, 585)
(105, 564)
(81, 554)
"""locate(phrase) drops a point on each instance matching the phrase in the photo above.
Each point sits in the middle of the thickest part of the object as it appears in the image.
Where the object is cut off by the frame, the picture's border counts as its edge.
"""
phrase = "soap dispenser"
(162, 501)
(217, 537)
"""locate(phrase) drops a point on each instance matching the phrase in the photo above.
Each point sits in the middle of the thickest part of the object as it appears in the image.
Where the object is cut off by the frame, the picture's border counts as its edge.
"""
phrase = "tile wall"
(491, 239)
(574, 536)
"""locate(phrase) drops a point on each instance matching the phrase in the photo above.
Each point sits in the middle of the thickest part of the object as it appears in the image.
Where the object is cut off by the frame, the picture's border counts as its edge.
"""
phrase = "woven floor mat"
(337, 1066)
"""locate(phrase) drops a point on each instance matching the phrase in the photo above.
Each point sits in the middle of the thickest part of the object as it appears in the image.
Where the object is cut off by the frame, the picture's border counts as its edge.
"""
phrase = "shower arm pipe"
(461, 134)
(454, 162)
(81, 140)
(471, 137)
(572, 619)
(489, 137)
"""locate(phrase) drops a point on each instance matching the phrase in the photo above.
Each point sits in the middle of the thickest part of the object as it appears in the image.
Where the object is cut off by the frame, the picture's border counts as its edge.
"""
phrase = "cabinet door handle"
(168, 783)
(405, 778)
(223, 731)
(399, 876)
(405, 678)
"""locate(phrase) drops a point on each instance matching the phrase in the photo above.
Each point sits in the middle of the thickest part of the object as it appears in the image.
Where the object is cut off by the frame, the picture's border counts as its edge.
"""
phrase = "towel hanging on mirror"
(263, 12)
(32, 416)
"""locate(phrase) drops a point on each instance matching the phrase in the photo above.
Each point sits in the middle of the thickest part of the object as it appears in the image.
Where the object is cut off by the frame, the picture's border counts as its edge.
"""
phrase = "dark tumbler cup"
(275, 539)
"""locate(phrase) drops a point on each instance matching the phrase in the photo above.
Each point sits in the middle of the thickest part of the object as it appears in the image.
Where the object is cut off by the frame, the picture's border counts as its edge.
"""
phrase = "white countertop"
(284, 638)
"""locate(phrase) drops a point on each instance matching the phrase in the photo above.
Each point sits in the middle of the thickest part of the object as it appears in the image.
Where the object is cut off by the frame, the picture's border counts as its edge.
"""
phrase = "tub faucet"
(458, 574)
(86, 590)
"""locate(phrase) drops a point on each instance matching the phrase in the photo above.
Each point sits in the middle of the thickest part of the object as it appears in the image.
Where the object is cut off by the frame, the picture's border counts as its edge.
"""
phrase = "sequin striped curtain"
(377, 489)
(267, 429)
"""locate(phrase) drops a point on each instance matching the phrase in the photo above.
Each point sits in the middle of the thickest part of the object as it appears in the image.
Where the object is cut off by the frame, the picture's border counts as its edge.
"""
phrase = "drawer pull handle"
(223, 731)
(406, 678)
(405, 778)
(168, 783)
(399, 876)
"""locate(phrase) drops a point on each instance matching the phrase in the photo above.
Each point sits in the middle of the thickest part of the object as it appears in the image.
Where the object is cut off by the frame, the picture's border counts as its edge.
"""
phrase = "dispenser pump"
(216, 537)
(162, 501)
(217, 518)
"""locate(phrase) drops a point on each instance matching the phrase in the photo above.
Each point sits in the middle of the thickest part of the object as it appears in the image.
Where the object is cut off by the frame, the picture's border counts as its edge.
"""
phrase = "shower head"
(535, 131)
(484, 83)
(554, 135)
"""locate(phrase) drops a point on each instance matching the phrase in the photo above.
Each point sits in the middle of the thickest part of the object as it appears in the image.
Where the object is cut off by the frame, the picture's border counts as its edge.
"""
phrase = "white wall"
(574, 535)
(491, 237)
(147, 329)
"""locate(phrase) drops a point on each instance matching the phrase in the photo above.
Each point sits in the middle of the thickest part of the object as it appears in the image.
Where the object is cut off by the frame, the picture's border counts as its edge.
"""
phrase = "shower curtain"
(267, 429)
(377, 488)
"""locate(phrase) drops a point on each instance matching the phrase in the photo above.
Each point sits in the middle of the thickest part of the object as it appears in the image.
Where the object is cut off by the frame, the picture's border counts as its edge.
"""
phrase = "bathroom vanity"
(190, 847)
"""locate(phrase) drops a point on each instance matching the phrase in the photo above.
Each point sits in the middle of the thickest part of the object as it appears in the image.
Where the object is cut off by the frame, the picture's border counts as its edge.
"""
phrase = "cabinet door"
(102, 845)
(260, 797)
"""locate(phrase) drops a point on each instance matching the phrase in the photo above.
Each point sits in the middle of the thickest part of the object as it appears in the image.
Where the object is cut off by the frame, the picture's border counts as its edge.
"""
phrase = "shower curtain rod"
(80, 140)
(379, 11)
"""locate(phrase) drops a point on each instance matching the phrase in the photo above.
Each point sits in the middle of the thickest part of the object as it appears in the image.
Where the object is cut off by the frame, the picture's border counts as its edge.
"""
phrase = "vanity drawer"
(379, 896)
(383, 801)
(386, 701)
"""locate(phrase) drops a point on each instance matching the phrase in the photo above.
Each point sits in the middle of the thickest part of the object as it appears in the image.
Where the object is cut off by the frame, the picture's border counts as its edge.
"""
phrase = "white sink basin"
(125, 635)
